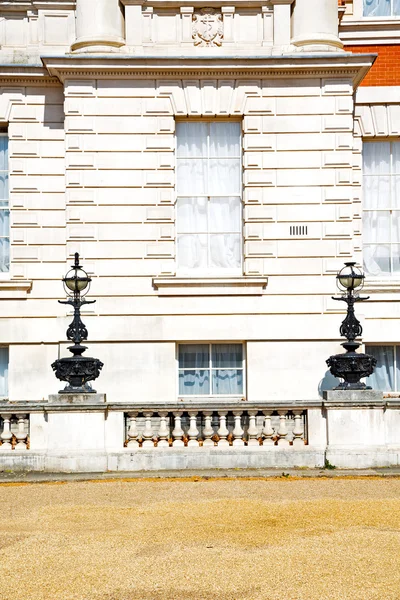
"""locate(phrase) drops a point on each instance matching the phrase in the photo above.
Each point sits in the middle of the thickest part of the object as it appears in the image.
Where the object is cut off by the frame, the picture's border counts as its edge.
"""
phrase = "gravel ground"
(309, 539)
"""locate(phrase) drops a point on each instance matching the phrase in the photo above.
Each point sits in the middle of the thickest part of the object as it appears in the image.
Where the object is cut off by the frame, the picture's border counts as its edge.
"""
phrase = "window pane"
(396, 7)
(396, 258)
(397, 368)
(376, 192)
(191, 177)
(224, 177)
(4, 255)
(192, 215)
(227, 382)
(225, 214)
(376, 158)
(376, 227)
(191, 139)
(3, 186)
(225, 251)
(377, 260)
(3, 371)
(194, 356)
(225, 140)
(227, 356)
(194, 382)
(377, 8)
(382, 378)
(3, 153)
(192, 251)
(4, 223)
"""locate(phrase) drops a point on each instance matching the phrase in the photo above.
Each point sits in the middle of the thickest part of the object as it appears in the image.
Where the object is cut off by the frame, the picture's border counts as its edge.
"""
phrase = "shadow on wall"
(328, 382)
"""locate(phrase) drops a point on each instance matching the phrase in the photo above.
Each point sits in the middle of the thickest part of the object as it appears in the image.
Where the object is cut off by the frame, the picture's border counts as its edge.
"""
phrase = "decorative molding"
(210, 286)
(378, 120)
(12, 289)
(382, 286)
(208, 28)
(354, 66)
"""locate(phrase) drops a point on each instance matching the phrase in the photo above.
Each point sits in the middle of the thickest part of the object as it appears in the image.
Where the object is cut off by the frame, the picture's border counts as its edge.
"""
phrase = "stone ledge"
(353, 399)
(210, 286)
(14, 289)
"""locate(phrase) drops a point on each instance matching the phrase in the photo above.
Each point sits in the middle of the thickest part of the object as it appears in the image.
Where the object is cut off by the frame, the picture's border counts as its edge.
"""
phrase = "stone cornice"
(25, 75)
(24, 5)
(198, 3)
(334, 65)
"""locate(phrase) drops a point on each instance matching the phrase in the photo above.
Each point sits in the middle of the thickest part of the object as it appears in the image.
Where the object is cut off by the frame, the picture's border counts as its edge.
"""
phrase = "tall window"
(381, 215)
(3, 371)
(381, 8)
(210, 369)
(209, 210)
(386, 376)
(4, 206)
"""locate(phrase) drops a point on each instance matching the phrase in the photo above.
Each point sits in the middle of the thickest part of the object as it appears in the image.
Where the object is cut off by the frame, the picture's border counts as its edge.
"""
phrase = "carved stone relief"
(208, 29)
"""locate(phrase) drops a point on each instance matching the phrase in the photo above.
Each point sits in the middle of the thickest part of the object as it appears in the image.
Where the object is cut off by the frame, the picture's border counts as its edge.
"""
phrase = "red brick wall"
(386, 70)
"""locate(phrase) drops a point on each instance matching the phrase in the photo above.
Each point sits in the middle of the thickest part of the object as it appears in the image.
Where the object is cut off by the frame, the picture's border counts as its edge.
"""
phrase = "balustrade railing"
(14, 431)
(194, 428)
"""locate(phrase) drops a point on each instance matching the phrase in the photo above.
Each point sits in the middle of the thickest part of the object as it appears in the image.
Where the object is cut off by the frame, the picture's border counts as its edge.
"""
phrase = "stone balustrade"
(14, 431)
(216, 427)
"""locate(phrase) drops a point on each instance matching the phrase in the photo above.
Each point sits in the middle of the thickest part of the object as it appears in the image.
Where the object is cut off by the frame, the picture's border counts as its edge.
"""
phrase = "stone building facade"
(206, 161)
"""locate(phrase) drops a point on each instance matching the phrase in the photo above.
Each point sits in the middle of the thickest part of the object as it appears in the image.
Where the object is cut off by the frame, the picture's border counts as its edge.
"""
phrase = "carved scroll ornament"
(208, 29)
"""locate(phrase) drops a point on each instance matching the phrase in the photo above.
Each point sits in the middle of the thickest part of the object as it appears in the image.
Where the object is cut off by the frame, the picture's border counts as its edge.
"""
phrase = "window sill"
(210, 286)
(11, 289)
(382, 286)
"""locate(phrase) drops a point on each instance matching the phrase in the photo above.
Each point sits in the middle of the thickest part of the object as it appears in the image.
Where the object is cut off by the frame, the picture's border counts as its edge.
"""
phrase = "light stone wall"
(92, 170)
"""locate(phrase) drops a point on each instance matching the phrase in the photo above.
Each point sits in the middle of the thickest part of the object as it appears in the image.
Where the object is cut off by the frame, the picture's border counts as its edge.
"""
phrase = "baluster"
(193, 432)
(21, 434)
(6, 434)
(163, 432)
(268, 431)
(132, 431)
(223, 431)
(178, 432)
(238, 430)
(298, 430)
(148, 441)
(282, 431)
(252, 431)
(208, 431)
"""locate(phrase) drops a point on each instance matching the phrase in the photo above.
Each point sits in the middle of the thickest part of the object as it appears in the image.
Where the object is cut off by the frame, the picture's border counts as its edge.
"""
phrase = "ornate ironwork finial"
(77, 370)
(351, 366)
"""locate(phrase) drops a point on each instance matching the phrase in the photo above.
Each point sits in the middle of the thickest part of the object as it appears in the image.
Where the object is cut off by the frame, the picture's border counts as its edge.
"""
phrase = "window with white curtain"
(4, 206)
(386, 376)
(3, 371)
(381, 208)
(381, 8)
(209, 207)
(210, 369)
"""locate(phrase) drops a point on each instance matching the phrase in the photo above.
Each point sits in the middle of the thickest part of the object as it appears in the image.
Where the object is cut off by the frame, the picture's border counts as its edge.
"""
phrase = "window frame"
(5, 275)
(210, 272)
(393, 346)
(392, 16)
(7, 395)
(391, 209)
(210, 344)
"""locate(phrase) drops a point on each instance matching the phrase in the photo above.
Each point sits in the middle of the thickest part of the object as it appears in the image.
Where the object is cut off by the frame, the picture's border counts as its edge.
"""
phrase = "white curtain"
(209, 196)
(377, 195)
(377, 8)
(194, 369)
(396, 7)
(3, 371)
(383, 376)
(227, 379)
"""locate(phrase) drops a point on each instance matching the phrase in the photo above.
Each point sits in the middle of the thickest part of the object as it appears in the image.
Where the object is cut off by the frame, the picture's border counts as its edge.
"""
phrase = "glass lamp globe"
(350, 278)
(76, 281)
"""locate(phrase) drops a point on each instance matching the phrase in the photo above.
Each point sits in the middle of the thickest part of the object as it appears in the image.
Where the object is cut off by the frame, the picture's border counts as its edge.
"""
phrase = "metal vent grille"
(299, 230)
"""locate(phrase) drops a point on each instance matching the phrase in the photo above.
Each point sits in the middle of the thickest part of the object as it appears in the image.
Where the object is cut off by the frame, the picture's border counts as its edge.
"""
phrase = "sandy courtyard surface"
(308, 539)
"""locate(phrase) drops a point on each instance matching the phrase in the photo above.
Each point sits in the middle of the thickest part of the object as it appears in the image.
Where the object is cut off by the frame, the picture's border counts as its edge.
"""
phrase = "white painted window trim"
(193, 397)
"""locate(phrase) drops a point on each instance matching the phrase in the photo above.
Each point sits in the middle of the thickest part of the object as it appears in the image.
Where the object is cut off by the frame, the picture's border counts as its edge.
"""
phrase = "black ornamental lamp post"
(77, 370)
(351, 366)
